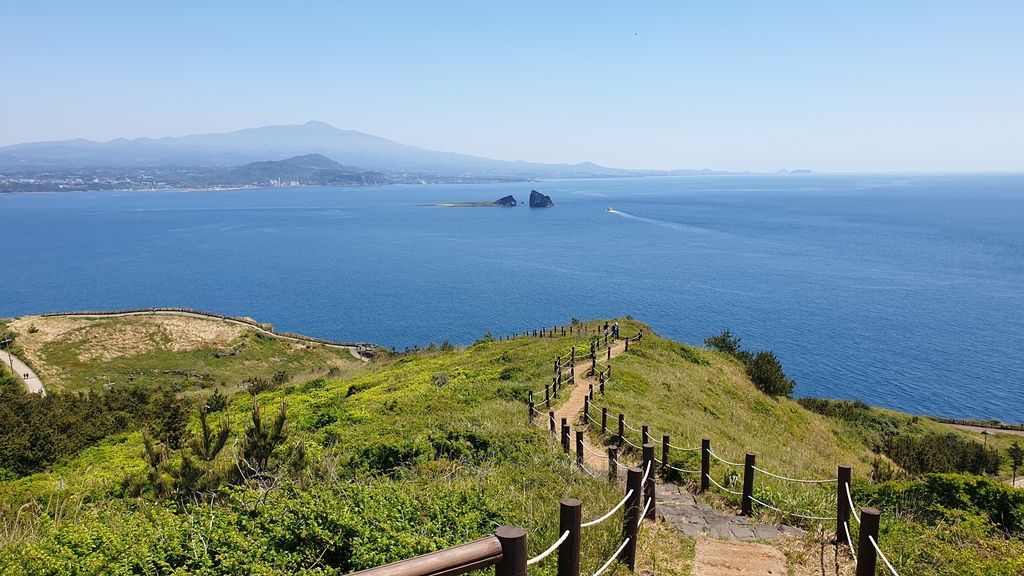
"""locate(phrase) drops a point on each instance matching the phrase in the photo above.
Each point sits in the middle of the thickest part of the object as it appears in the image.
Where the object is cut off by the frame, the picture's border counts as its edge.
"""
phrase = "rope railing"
(882, 556)
(612, 559)
(849, 541)
(647, 474)
(594, 452)
(683, 470)
(548, 552)
(610, 512)
(793, 514)
(723, 460)
(643, 514)
(829, 481)
(720, 487)
(853, 509)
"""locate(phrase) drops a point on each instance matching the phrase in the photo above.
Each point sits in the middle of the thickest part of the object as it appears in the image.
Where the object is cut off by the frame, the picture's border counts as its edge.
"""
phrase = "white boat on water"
(610, 209)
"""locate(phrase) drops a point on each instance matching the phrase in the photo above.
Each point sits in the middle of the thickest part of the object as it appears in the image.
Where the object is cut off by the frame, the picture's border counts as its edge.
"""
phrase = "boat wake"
(665, 223)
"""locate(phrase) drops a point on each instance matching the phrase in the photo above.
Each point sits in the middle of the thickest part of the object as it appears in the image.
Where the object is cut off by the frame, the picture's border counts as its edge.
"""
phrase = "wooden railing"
(505, 550)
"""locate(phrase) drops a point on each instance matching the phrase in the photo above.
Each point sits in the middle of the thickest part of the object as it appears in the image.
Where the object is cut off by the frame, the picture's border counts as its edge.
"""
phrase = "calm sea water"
(905, 292)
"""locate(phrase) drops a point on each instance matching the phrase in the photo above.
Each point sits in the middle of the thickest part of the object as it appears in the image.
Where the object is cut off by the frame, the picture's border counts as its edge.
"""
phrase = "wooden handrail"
(448, 562)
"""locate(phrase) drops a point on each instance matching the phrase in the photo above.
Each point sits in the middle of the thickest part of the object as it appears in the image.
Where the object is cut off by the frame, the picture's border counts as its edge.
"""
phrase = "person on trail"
(615, 330)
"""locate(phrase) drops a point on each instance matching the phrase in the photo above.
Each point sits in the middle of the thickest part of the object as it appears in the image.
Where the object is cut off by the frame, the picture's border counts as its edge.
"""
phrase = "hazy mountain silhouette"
(348, 147)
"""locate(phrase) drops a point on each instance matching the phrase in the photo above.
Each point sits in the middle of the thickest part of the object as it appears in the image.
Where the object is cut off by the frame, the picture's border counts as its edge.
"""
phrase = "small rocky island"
(538, 200)
(508, 201)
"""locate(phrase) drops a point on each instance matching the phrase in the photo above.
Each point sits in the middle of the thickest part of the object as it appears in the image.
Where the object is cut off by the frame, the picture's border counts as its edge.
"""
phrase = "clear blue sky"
(855, 86)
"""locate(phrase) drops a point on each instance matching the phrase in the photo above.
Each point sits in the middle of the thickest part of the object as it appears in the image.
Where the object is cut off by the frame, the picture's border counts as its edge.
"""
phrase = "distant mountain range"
(350, 148)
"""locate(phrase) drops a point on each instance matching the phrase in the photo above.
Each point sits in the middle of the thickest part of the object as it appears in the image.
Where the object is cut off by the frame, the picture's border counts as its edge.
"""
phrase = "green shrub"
(941, 453)
(765, 371)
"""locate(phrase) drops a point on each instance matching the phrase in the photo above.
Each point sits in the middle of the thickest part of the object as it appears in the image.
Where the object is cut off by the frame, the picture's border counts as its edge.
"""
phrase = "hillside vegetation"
(415, 452)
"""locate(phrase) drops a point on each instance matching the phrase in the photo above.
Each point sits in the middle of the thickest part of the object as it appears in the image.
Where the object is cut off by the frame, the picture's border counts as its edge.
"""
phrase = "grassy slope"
(466, 462)
(403, 466)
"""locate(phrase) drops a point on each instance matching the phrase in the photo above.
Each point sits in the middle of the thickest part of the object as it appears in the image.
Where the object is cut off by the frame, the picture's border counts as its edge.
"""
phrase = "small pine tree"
(216, 402)
(724, 342)
(261, 440)
(765, 371)
(1016, 454)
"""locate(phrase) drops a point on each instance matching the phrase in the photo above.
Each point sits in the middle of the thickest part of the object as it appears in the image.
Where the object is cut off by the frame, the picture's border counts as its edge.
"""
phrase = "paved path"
(692, 518)
(979, 429)
(20, 370)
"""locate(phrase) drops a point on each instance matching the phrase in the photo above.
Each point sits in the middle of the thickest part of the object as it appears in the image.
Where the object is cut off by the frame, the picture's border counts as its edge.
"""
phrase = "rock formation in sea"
(538, 200)
(506, 201)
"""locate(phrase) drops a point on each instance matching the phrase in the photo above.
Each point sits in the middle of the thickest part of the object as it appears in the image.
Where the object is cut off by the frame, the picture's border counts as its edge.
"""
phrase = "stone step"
(691, 518)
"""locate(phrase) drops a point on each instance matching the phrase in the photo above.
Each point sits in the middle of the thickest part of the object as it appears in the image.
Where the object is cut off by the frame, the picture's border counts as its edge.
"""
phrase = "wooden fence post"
(622, 428)
(613, 463)
(748, 486)
(547, 394)
(664, 454)
(579, 448)
(631, 516)
(551, 417)
(590, 392)
(586, 409)
(649, 495)
(608, 375)
(705, 462)
(602, 384)
(609, 353)
(842, 503)
(554, 384)
(627, 344)
(569, 518)
(557, 366)
(604, 420)
(573, 361)
(531, 411)
(565, 436)
(644, 435)
(513, 551)
(866, 558)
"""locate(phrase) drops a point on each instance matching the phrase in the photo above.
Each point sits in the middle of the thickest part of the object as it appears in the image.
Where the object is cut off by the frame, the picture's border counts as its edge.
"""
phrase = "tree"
(262, 439)
(765, 371)
(207, 444)
(724, 342)
(1016, 454)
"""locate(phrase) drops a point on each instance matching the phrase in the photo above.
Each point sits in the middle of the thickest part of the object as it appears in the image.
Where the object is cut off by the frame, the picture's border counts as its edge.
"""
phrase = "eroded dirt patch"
(108, 338)
(727, 558)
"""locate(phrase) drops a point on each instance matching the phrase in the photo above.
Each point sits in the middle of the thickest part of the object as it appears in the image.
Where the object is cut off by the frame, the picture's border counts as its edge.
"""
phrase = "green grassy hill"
(421, 451)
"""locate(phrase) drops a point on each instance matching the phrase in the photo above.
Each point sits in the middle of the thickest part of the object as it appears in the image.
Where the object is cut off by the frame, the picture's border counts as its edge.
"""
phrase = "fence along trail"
(640, 500)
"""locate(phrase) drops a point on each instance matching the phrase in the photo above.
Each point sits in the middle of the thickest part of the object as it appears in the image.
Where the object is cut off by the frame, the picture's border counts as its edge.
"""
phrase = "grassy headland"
(416, 452)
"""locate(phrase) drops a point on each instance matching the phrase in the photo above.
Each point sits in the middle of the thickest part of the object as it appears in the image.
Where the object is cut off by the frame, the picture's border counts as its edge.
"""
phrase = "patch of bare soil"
(108, 338)
(815, 555)
(729, 558)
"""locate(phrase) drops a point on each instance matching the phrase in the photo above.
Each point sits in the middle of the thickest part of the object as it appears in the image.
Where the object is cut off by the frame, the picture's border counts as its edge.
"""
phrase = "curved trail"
(572, 411)
(23, 372)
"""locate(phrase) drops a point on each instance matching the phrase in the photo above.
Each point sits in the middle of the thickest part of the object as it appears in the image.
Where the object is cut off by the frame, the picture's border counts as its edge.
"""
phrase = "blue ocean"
(906, 292)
